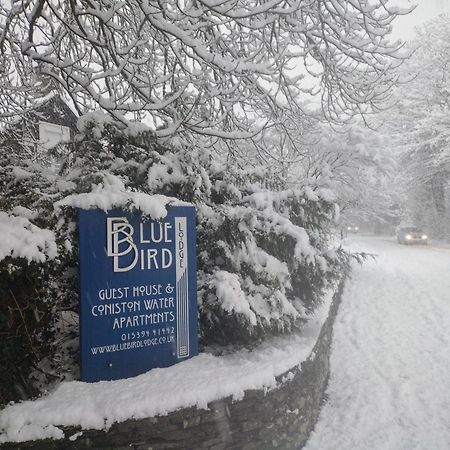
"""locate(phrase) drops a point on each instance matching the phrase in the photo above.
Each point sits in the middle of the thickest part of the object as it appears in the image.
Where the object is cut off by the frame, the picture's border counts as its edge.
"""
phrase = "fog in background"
(424, 11)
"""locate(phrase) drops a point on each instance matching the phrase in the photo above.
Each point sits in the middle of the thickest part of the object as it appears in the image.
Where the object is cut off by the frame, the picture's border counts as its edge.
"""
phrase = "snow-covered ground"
(390, 365)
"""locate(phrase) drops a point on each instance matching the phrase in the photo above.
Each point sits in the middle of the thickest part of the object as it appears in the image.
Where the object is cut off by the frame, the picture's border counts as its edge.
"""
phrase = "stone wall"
(281, 418)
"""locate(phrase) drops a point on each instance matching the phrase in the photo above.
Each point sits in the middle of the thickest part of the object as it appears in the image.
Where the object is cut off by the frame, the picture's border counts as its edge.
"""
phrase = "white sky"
(425, 11)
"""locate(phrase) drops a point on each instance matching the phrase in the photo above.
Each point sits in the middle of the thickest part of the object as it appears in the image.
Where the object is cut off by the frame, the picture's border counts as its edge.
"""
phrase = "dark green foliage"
(26, 325)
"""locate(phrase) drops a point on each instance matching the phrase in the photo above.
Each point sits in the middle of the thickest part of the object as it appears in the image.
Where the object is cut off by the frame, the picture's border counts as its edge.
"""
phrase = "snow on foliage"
(230, 295)
(22, 239)
(97, 120)
(21, 174)
(421, 129)
(111, 193)
(263, 255)
(266, 239)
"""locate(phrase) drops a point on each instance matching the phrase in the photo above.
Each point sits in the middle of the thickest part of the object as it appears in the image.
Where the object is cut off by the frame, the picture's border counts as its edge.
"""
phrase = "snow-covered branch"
(210, 67)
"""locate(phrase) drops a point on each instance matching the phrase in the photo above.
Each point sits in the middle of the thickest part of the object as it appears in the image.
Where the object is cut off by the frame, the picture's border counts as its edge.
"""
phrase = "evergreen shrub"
(264, 256)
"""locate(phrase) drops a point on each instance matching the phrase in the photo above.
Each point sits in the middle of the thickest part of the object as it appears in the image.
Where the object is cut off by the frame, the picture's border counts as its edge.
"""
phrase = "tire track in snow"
(390, 363)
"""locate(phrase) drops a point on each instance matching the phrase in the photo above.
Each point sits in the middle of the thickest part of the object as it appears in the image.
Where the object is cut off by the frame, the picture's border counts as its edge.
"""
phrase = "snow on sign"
(138, 292)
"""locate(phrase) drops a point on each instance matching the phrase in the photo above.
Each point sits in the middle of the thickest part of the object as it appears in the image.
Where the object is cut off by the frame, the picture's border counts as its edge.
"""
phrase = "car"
(411, 235)
(352, 229)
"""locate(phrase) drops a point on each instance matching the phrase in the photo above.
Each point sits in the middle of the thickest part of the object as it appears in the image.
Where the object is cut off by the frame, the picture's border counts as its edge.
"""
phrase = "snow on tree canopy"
(100, 119)
(201, 67)
(22, 239)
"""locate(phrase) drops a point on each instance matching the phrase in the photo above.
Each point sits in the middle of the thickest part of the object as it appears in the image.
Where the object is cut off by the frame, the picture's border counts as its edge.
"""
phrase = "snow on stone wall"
(281, 416)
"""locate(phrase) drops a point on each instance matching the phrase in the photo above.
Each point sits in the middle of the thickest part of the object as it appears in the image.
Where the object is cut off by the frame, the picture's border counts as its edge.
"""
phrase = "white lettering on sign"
(143, 320)
(121, 245)
(154, 233)
(119, 231)
(183, 349)
(113, 293)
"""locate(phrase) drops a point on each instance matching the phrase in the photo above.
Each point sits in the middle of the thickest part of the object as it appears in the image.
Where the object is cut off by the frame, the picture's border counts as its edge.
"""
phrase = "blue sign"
(138, 283)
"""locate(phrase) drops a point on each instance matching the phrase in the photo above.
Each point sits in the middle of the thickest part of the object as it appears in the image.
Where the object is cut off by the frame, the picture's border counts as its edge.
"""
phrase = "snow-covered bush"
(272, 248)
(263, 257)
(28, 261)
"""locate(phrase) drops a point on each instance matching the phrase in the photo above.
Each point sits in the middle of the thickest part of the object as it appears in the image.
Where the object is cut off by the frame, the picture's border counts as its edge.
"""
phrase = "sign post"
(138, 292)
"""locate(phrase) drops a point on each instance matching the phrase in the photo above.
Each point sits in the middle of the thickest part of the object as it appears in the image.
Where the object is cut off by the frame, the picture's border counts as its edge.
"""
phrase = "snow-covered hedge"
(263, 256)
(21, 239)
(35, 323)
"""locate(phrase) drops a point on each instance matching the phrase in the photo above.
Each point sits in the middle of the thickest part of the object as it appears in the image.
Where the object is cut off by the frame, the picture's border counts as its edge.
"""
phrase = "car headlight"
(356, 228)
(424, 236)
(408, 236)
(349, 228)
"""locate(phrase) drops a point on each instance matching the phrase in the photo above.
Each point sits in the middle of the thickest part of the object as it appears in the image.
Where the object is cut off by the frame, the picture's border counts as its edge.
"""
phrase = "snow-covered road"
(389, 386)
